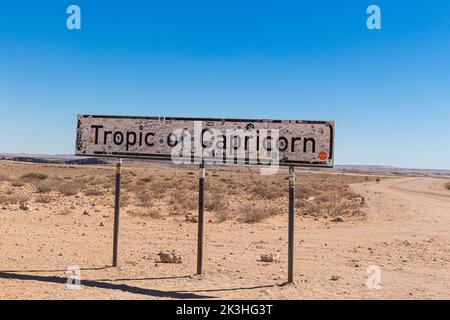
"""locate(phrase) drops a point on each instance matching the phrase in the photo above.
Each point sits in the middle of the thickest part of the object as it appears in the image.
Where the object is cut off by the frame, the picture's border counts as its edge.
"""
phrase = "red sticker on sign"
(323, 155)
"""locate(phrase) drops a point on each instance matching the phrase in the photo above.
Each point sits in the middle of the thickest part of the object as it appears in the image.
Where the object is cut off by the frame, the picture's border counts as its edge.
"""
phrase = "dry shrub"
(69, 188)
(17, 183)
(94, 191)
(159, 189)
(154, 213)
(34, 176)
(224, 215)
(84, 179)
(13, 199)
(44, 187)
(146, 179)
(214, 203)
(268, 192)
(145, 198)
(134, 187)
(44, 198)
(182, 200)
(251, 213)
(447, 186)
(98, 181)
(329, 200)
(4, 178)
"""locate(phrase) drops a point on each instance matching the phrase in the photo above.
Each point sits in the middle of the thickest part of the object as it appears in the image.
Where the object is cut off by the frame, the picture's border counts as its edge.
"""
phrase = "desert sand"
(402, 225)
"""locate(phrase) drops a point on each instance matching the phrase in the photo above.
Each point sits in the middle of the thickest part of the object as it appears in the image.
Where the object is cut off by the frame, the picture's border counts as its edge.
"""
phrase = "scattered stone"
(191, 218)
(85, 213)
(170, 257)
(101, 224)
(338, 219)
(271, 257)
(24, 207)
(335, 277)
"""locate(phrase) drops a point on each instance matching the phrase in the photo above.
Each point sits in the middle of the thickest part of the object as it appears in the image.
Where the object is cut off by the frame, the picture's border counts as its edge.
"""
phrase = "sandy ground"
(407, 234)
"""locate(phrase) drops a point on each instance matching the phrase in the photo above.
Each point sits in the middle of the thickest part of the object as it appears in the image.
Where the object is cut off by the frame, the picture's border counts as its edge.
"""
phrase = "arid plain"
(53, 216)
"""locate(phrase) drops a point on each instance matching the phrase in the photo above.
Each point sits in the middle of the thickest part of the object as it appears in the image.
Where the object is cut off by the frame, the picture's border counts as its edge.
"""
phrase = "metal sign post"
(116, 213)
(291, 224)
(201, 212)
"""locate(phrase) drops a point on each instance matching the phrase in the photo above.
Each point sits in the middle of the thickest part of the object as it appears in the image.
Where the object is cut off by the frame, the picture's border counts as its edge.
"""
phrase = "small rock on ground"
(170, 257)
(271, 257)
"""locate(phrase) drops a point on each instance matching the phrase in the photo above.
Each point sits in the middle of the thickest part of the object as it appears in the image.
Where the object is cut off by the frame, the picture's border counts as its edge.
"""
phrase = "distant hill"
(391, 170)
(70, 159)
(57, 159)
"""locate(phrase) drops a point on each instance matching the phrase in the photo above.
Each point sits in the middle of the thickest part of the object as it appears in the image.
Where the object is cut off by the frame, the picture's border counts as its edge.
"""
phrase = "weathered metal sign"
(220, 141)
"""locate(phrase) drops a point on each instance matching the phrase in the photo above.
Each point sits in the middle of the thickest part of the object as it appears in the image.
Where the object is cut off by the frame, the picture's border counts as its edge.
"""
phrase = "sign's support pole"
(201, 211)
(291, 224)
(116, 213)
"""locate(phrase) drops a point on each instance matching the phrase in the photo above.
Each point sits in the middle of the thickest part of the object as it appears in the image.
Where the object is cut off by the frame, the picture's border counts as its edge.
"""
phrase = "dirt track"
(407, 235)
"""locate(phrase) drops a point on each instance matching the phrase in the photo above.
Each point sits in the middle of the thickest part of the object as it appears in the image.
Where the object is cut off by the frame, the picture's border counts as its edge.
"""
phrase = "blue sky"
(388, 90)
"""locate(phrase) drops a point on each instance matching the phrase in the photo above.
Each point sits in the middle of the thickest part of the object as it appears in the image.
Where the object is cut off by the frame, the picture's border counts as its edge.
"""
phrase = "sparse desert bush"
(154, 213)
(98, 181)
(34, 176)
(44, 187)
(44, 198)
(345, 208)
(94, 191)
(331, 207)
(134, 187)
(267, 191)
(328, 198)
(447, 186)
(146, 179)
(214, 203)
(13, 199)
(224, 215)
(69, 188)
(159, 189)
(182, 200)
(145, 198)
(17, 183)
(84, 179)
(4, 178)
(251, 213)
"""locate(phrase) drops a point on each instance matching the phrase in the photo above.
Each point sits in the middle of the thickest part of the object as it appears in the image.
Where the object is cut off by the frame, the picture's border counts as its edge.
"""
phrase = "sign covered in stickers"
(209, 140)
